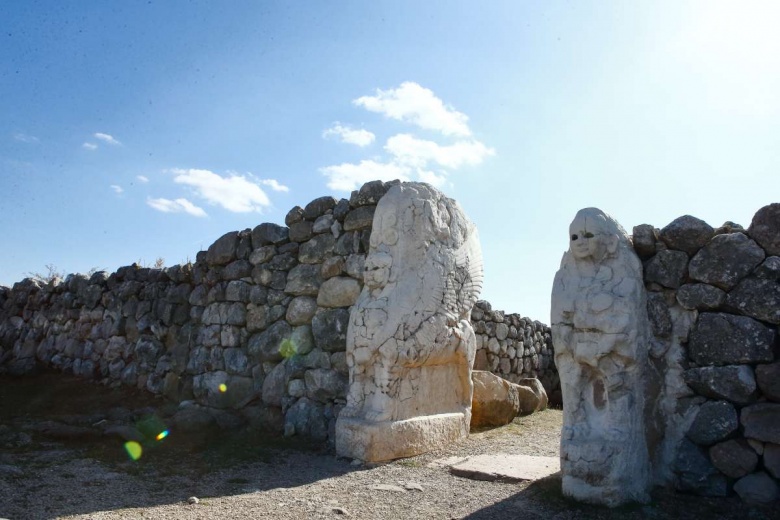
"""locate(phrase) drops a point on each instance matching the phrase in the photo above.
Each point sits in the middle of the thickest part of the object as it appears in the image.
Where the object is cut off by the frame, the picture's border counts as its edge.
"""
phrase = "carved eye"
(588, 235)
(574, 237)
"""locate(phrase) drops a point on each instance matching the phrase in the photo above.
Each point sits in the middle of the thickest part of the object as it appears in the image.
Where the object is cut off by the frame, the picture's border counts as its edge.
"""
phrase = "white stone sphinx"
(601, 336)
(410, 343)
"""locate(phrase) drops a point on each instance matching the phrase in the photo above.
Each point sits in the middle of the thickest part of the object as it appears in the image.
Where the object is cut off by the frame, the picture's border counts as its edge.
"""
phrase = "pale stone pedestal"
(388, 440)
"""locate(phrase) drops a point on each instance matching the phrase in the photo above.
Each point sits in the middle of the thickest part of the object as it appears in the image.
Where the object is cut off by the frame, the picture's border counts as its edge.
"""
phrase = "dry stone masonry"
(708, 382)
(714, 307)
(254, 331)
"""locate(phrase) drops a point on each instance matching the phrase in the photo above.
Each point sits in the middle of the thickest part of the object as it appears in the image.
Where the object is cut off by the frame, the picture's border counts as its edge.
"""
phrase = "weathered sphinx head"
(594, 235)
(429, 246)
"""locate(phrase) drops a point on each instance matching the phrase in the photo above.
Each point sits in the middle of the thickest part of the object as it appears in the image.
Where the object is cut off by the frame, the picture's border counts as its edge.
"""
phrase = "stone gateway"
(410, 344)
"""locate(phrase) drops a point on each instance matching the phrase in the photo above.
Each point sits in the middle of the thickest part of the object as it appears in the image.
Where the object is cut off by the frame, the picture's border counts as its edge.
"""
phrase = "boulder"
(301, 231)
(761, 421)
(667, 268)
(726, 339)
(726, 260)
(306, 418)
(370, 193)
(323, 224)
(735, 383)
(765, 228)
(318, 207)
(495, 401)
(700, 296)
(768, 379)
(734, 458)
(293, 216)
(758, 298)
(758, 488)
(223, 251)
(359, 218)
(267, 345)
(317, 249)
(325, 385)
(715, 421)
(301, 310)
(303, 280)
(644, 239)
(687, 234)
(329, 327)
(769, 269)
(275, 385)
(339, 291)
(268, 233)
(538, 389)
(696, 474)
(772, 459)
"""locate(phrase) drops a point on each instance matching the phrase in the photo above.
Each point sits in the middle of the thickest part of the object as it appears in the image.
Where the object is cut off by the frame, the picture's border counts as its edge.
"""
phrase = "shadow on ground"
(55, 460)
(543, 499)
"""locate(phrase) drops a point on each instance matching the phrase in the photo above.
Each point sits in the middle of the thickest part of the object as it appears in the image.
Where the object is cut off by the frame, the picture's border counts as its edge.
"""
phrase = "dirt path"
(48, 471)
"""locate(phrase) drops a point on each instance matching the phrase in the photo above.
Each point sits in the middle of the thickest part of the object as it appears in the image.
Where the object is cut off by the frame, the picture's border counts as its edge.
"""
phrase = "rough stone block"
(726, 339)
(725, 260)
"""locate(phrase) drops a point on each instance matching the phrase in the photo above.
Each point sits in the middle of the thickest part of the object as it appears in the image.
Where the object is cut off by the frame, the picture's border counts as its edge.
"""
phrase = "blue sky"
(135, 130)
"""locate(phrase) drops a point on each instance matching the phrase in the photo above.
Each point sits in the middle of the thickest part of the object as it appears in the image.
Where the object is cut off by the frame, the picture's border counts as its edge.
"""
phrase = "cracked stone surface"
(410, 344)
(601, 335)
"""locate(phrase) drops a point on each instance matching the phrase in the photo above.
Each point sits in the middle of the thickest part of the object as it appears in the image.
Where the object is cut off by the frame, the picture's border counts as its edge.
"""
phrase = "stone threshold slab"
(506, 468)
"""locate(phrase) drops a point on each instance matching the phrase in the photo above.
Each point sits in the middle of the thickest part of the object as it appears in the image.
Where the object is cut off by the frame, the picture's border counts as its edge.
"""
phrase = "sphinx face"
(587, 239)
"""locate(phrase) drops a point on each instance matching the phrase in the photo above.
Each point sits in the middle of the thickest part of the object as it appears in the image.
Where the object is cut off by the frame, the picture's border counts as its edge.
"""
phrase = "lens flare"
(288, 348)
(133, 449)
(223, 387)
(163, 434)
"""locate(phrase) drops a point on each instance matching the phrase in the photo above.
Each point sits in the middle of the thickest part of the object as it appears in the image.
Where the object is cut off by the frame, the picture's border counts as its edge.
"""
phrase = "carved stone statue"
(601, 335)
(410, 344)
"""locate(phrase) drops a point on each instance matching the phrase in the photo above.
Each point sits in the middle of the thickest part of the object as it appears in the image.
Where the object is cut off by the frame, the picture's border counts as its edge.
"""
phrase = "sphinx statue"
(601, 335)
(410, 343)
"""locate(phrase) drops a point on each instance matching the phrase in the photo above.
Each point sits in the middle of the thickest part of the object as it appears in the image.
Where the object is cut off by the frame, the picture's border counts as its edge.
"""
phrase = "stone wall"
(714, 306)
(514, 347)
(255, 327)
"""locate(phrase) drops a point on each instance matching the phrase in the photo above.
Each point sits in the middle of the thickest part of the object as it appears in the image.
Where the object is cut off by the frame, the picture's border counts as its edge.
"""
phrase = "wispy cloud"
(176, 206)
(236, 193)
(349, 135)
(274, 185)
(89, 146)
(142, 178)
(348, 176)
(106, 138)
(24, 138)
(417, 105)
(117, 189)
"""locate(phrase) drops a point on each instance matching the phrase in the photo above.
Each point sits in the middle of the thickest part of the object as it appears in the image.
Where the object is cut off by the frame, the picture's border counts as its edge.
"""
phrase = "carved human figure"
(601, 336)
(410, 344)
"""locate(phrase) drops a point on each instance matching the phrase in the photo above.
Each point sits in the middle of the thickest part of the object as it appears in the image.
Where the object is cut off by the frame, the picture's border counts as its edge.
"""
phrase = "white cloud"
(24, 138)
(117, 189)
(417, 105)
(274, 185)
(106, 138)
(432, 178)
(347, 176)
(407, 149)
(142, 178)
(89, 146)
(176, 206)
(234, 193)
(349, 135)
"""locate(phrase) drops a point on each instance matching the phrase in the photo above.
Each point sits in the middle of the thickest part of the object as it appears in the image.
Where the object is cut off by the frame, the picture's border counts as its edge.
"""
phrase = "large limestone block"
(725, 260)
(600, 333)
(410, 344)
(496, 401)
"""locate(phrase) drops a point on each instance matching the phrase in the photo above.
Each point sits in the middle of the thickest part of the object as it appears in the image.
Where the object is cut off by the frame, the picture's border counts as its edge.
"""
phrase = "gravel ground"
(241, 476)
